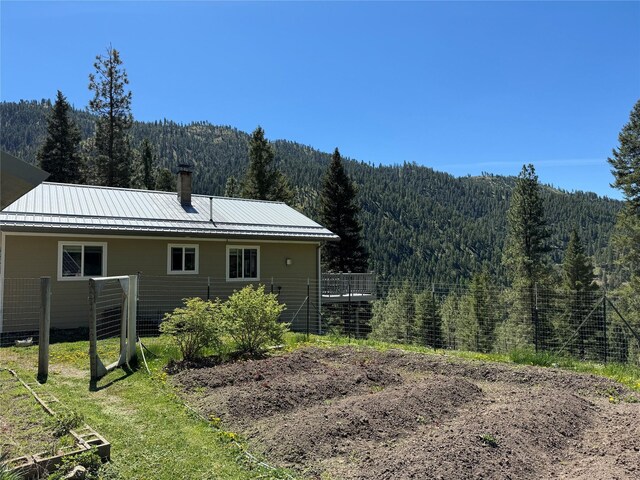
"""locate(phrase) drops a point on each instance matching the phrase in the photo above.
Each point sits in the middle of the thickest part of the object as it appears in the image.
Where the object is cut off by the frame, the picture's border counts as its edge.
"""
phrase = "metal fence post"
(534, 314)
(349, 309)
(308, 302)
(45, 324)
(605, 344)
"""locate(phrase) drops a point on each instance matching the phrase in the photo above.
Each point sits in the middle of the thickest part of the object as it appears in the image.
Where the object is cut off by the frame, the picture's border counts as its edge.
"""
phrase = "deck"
(348, 287)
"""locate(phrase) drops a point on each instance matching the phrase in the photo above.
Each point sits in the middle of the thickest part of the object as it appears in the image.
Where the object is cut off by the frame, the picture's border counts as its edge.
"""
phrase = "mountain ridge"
(433, 226)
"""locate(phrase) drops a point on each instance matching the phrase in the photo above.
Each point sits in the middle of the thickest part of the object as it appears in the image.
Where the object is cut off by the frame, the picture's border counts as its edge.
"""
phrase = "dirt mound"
(340, 428)
(245, 391)
(519, 439)
(357, 413)
(478, 370)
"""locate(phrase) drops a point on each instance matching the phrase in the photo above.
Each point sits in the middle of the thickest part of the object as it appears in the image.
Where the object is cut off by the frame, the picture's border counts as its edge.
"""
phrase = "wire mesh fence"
(161, 294)
(587, 325)
(19, 311)
(110, 304)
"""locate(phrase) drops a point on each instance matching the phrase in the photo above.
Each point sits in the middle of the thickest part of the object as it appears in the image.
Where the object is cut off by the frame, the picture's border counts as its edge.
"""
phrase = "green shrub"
(194, 327)
(251, 319)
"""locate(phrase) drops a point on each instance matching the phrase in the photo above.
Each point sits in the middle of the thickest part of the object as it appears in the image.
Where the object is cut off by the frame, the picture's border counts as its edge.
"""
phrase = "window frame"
(243, 278)
(62, 244)
(171, 246)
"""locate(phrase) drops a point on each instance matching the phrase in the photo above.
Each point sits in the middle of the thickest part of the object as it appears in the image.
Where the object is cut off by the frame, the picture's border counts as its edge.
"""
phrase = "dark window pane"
(250, 263)
(176, 259)
(71, 260)
(234, 262)
(190, 259)
(92, 261)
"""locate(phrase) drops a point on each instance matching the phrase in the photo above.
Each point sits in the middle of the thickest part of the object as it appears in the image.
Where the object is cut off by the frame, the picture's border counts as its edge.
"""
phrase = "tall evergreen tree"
(526, 251)
(579, 284)
(626, 170)
(232, 188)
(577, 266)
(485, 309)
(339, 212)
(59, 155)
(147, 160)
(428, 320)
(263, 181)
(165, 180)
(394, 318)
(112, 104)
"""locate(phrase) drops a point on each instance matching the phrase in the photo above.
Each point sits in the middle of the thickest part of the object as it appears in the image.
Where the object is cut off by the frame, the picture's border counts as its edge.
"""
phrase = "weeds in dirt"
(89, 460)
(66, 421)
(489, 439)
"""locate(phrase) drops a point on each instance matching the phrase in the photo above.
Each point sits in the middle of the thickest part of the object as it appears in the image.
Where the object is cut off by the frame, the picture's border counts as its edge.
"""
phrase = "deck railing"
(345, 284)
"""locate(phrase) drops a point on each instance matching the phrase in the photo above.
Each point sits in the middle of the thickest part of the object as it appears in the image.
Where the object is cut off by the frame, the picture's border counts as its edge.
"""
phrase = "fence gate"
(112, 315)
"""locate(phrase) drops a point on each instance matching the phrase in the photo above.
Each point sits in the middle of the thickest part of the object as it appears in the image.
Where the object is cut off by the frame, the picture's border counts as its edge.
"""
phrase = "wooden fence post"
(93, 334)
(45, 324)
(133, 315)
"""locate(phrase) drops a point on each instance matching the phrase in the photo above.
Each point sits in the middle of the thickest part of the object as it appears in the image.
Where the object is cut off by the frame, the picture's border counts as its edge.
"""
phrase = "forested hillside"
(418, 223)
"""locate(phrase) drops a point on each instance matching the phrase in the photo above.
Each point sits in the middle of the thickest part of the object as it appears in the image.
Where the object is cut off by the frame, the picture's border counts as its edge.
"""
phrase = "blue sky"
(461, 87)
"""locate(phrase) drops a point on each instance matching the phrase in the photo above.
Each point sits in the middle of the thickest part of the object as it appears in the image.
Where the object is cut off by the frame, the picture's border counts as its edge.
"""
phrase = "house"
(17, 178)
(181, 245)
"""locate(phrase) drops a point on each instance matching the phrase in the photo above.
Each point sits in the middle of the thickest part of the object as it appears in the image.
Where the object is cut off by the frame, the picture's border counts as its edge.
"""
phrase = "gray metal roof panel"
(52, 206)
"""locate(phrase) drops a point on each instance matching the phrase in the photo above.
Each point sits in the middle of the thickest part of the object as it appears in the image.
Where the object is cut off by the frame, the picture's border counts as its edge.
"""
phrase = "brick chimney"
(184, 184)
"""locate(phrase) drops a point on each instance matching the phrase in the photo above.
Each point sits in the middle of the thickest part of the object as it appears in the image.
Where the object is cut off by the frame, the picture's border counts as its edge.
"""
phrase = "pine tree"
(232, 188)
(577, 266)
(526, 251)
(339, 213)
(485, 309)
(394, 318)
(147, 165)
(263, 181)
(450, 314)
(626, 161)
(136, 179)
(626, 170)
(59, 155)
(579, 284)
(428, 319)
(112, 104)
(165, 180)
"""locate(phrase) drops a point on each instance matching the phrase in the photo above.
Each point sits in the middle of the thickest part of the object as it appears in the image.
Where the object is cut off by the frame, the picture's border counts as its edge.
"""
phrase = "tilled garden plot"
(349, 413)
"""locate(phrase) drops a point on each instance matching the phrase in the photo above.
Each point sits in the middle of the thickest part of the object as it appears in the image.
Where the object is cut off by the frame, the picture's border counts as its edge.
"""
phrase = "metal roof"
(17, 178)
(72, 208)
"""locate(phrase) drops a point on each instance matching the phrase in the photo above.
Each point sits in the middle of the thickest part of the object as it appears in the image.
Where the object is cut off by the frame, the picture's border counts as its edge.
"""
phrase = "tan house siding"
(33, 256)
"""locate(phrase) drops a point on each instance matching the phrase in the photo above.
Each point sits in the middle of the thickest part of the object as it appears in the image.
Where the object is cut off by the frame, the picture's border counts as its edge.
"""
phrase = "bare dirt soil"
(355, 413)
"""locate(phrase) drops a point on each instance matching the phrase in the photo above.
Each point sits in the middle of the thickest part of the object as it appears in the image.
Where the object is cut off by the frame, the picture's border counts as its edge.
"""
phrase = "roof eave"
(129, 232)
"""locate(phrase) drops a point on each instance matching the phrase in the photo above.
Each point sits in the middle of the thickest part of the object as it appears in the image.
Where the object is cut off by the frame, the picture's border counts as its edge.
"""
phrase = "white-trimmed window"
(182, 259)
(243, 262)
(80, 260)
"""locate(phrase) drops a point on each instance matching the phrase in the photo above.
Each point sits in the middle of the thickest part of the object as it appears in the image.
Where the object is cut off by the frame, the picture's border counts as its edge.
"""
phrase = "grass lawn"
(155, 436)
(25, 428)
